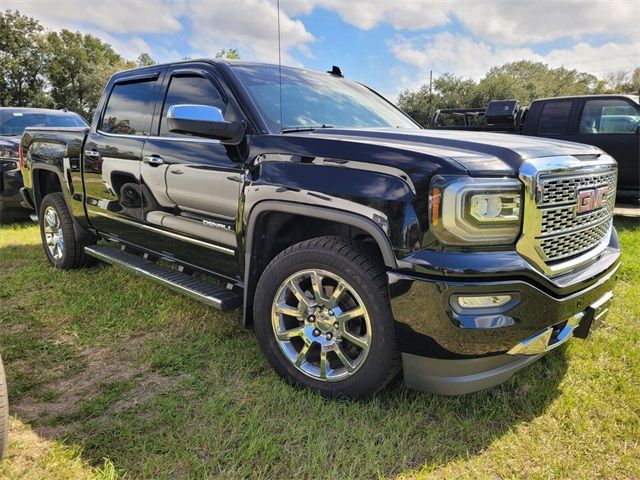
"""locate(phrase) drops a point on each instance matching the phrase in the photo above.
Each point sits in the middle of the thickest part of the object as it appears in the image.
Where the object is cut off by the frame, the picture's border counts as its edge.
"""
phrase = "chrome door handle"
(93, 154)
(153, 160)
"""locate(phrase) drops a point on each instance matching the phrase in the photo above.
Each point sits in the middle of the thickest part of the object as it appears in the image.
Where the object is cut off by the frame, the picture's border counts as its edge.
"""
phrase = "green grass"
(112, 376)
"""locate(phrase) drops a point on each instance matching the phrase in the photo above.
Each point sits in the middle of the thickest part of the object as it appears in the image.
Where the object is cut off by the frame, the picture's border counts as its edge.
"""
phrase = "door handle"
(93, 154)
(153, 160)
(177, 172)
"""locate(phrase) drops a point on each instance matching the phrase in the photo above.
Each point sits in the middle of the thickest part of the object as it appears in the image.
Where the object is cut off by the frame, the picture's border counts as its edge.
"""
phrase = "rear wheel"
(323, 319)
(63, 244)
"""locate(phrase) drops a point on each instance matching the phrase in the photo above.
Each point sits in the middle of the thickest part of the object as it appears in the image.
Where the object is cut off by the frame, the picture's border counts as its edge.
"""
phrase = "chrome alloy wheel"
(321, 325)
(53, 233)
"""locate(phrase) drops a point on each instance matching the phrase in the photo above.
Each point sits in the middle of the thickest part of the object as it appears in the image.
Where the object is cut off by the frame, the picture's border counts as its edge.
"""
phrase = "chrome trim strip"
(540, 343)
(160, 137)
(200, 243)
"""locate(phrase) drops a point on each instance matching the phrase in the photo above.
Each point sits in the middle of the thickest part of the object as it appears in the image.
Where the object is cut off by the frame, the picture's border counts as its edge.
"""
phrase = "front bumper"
(448, 351)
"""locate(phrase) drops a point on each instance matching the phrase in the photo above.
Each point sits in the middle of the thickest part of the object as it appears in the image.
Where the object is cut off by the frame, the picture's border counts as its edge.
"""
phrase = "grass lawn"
(110, 376)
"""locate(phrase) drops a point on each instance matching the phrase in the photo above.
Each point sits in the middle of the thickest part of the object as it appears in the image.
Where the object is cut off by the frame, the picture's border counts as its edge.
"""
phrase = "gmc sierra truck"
(357, 243)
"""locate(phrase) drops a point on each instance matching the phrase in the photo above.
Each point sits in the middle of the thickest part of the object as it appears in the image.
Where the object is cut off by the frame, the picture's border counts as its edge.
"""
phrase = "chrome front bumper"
(578, 325)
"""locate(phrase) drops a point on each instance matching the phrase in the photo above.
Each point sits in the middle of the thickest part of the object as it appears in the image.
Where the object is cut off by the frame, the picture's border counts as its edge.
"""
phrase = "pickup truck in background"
(13, 121)
(356, 242)
(609, 122)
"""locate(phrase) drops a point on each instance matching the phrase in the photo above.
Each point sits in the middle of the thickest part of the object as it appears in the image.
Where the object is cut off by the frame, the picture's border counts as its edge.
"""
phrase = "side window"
(554, 118)
(609, 116)
(194, 90)
(128, 108)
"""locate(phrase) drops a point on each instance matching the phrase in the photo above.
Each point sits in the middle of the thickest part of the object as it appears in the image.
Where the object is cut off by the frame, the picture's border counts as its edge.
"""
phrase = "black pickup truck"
(357, 242)
(609, 122)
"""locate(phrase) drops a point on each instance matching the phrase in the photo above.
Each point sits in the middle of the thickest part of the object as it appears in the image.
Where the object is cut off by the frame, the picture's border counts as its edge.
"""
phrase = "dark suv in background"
(13, 121)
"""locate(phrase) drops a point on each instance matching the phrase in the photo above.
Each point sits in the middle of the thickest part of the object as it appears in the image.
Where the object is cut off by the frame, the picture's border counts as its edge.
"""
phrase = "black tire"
(4, 411)
(368, 281)
(73, 255)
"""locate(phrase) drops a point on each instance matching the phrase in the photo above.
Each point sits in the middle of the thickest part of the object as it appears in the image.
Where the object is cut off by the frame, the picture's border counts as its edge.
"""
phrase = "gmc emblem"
(592, 199)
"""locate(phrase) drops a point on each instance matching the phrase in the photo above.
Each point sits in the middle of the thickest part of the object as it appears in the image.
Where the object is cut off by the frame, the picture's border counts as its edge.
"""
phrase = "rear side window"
(128, 110)
(554, 118)
(194, 90)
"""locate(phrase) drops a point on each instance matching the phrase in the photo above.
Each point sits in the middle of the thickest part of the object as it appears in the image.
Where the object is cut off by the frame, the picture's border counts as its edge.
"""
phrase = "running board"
(207, 293)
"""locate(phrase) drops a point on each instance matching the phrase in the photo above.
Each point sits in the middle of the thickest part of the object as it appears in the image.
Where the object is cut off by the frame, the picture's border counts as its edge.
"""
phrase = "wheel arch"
(334, 220)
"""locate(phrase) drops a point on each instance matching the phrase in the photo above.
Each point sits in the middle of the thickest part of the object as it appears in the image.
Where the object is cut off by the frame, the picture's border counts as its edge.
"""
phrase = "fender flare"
(314, 211)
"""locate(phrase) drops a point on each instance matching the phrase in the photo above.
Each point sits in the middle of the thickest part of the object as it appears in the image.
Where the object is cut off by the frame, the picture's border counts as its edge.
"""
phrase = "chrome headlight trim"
(452, 220)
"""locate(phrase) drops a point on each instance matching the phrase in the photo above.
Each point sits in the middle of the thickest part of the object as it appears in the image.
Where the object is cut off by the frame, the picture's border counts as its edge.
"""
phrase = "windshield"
(313, 99)
(13, 122)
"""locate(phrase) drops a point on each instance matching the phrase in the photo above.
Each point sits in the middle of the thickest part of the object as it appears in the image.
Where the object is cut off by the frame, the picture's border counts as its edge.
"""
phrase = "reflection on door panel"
(197, 200)
(197, 188)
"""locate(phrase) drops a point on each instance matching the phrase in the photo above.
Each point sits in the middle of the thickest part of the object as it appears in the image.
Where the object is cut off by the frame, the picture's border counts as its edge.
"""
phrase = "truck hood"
(478, 152)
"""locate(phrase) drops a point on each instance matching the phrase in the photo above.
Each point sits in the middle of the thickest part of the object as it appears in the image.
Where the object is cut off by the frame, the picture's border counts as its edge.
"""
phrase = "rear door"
(612, 124)
(112, 156)
(555, 119)
(191, 185)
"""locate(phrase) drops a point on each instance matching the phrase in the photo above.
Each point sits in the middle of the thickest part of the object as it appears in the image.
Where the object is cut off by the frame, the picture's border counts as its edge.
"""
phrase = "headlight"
(466, 210)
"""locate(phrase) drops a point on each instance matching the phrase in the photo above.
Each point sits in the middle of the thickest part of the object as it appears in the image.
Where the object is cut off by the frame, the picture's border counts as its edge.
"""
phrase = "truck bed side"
(52, 162)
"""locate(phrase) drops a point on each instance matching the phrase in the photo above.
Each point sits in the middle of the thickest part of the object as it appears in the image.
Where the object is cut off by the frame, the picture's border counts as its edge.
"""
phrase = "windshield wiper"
(8, 134)
(305, 128)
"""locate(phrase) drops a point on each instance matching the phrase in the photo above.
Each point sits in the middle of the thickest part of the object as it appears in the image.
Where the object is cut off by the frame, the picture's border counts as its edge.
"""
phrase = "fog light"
(485, 301)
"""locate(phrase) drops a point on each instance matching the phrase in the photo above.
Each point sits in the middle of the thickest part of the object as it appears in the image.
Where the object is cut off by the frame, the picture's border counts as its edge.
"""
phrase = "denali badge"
(592, 199)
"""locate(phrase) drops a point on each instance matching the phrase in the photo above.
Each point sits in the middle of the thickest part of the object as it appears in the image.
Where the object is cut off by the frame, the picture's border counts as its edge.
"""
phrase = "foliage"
(523, 81)
(78, 66)
(145, 60)
(229, 53)
(22, 61)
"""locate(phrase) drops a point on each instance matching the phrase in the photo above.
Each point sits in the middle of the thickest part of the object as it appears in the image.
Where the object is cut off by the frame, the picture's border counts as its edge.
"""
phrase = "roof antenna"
(280, 68)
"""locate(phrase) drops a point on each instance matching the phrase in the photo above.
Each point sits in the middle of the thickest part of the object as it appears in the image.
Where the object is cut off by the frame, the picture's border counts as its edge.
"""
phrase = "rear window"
(128, 110)
(554, 118)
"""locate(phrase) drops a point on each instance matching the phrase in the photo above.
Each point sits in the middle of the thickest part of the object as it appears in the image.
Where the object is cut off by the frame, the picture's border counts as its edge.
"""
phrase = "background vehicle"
(610, 122)
(356, 241)
(13, 121)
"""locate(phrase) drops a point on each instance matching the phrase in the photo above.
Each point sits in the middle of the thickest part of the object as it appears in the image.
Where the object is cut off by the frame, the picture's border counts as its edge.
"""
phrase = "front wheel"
(323, 319)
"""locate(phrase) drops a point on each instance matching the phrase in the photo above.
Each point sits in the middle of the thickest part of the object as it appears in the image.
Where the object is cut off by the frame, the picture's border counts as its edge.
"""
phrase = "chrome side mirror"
(204, 121)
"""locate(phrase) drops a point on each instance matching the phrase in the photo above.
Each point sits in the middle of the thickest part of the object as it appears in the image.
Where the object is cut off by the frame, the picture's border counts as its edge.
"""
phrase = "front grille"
(556, 237)
(565, 233)
(557, 190)
(571, 244)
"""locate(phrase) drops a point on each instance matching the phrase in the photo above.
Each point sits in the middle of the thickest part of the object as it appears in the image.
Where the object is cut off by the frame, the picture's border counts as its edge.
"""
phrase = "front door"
(191, 186)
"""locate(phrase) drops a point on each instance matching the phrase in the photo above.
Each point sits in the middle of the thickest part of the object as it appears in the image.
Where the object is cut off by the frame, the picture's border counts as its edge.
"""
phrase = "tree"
(22, 61)
(230, 53)
(523, 81)
(78, 66)
(145, 60)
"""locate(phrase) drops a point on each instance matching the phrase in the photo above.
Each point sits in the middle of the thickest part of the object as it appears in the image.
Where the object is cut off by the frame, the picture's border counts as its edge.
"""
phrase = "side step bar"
(212, 295)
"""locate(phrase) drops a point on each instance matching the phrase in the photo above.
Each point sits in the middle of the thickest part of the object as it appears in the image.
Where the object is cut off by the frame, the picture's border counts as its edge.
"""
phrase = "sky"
(389, 45)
